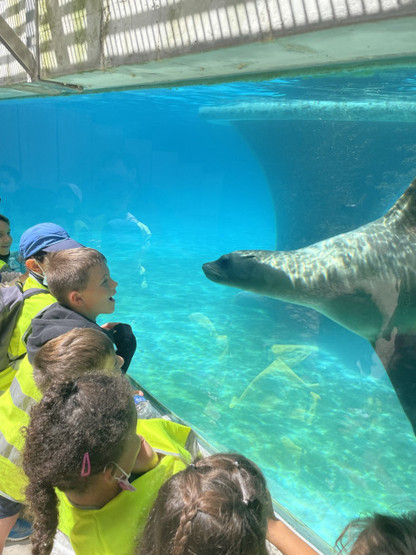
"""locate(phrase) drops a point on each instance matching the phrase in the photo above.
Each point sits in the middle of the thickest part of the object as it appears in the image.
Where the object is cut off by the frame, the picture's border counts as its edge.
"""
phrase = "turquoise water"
(303, 397)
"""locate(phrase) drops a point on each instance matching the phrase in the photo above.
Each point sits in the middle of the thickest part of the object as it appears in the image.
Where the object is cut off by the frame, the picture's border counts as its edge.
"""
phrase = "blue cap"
(45, 237)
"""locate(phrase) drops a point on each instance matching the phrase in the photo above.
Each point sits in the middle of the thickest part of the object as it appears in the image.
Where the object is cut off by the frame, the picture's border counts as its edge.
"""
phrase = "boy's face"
(5, 238)
(97, 297)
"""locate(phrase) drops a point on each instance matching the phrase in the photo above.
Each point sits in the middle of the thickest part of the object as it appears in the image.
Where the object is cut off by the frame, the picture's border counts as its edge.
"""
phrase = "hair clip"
(237, 464)
(86, 465)
(192, 465)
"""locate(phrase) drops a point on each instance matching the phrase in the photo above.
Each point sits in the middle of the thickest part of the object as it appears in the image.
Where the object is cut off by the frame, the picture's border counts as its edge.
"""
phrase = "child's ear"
(75, 299)
(33, 266)
(109, 473)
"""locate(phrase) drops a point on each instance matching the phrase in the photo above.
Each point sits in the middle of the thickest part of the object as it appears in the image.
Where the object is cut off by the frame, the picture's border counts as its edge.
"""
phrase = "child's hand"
(123, 337)
(146, 459)
(125, 341)
(110, 325)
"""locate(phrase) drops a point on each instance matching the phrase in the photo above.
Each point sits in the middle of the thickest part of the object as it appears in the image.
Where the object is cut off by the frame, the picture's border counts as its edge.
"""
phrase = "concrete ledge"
(316, 110)
(112, 44)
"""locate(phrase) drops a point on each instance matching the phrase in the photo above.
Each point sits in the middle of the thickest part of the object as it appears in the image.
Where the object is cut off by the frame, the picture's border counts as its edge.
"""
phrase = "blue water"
(303, 397)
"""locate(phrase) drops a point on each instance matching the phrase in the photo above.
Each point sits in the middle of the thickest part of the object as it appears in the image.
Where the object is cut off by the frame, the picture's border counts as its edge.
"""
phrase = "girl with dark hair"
(220, 504)
(76, 352)
(83, 450)
(379, 535)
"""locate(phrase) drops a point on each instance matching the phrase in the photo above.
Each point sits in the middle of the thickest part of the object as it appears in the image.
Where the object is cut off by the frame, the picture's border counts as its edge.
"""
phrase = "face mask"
(41, 277)
(122, 480)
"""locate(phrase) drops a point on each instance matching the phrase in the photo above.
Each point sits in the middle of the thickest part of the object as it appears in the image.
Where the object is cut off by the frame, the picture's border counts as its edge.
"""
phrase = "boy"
(36, 244)
(80, 281)
(10, 267)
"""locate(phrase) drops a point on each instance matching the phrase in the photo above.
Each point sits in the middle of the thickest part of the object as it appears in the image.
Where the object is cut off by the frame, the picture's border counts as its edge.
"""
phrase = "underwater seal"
(364, 280)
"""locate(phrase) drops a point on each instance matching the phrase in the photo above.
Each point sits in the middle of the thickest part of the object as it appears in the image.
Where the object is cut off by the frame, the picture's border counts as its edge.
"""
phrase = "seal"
(365, 280)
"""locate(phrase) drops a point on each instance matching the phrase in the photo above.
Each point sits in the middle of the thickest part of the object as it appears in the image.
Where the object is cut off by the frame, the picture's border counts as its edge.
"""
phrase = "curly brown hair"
(69, 270)
(386, 534)
(218, 505)
(92, 414)
(74, 353)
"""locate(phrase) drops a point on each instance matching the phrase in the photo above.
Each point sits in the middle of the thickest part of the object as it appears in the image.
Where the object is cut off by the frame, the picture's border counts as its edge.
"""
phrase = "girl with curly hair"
(74, 353)
(83, 450)
(220, 504)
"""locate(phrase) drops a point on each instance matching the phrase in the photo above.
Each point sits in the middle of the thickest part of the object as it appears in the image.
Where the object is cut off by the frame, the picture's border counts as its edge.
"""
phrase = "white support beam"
(17, 49)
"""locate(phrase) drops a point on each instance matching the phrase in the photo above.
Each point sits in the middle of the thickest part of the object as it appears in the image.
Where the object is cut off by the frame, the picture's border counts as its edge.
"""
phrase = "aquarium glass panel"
(275, 355)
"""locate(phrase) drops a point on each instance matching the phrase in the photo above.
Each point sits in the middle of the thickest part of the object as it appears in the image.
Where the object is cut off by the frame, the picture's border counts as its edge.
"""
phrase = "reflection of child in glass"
(10, 265)
(220, 504)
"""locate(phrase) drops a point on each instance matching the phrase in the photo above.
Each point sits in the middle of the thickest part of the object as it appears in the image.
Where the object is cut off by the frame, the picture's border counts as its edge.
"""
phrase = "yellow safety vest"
(2, 263)
(15, 406)
(17, 347)
(115, 528)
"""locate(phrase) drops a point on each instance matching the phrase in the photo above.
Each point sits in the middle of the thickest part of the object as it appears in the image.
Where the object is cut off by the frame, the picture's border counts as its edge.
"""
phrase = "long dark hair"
(218, 505)
(379, 533)
(91, 414)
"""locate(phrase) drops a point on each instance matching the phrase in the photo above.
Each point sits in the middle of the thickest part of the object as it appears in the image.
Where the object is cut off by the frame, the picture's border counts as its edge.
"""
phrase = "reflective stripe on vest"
(15, 405)
(21, 400)
(9, 451)
(31, 307)
(115, 527)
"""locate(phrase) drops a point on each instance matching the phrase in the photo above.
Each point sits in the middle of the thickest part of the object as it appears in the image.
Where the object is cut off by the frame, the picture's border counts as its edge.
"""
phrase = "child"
(89, 424)
(10, 266)
(220, 504)
(72, 354)
(35, 247)
(379, 535)
(76, 352)
(80, 281)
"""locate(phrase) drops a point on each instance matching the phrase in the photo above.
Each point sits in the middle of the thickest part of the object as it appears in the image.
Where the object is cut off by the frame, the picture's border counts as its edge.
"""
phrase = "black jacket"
(56, 320)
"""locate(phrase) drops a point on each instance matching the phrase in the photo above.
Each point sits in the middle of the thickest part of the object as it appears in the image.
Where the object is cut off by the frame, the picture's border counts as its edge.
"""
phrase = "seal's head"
(236, 269)
(256, 271)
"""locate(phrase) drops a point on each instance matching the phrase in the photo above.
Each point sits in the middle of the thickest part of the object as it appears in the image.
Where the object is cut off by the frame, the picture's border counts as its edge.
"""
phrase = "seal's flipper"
(404, 210)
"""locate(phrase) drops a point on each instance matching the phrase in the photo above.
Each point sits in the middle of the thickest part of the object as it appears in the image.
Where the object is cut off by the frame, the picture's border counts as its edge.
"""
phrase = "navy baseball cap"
(46, 237)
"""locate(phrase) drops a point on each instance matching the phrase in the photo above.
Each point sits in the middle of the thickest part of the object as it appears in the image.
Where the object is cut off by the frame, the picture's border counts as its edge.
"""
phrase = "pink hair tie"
(86, 465)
